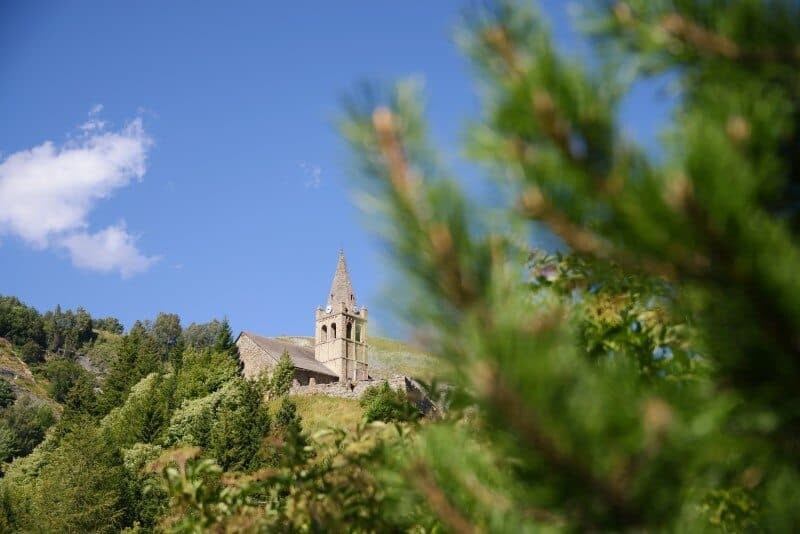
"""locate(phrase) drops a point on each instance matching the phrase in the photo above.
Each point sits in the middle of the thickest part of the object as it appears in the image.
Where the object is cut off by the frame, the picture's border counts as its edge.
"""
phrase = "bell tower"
(340, 336)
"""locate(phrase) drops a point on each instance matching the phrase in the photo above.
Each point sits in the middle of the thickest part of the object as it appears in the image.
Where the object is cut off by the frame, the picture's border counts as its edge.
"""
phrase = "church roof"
(341, 287)
(302, 357)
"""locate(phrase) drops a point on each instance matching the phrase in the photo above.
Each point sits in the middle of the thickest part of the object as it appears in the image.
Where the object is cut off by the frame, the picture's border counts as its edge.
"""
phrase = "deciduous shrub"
(383, 403)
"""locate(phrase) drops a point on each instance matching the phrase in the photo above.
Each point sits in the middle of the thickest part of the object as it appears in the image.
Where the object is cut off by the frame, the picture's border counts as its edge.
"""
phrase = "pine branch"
(706, 42)
(437, 498)
(524, 422)
(438, 238)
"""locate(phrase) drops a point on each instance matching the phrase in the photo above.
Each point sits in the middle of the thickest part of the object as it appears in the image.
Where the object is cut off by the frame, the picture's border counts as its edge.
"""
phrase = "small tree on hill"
(291, 443)
(224, 341)
(31, 353)
(29, 422)
(279, 382)
(63, 375)
(202, 335)
(242, 423)
(167, 329)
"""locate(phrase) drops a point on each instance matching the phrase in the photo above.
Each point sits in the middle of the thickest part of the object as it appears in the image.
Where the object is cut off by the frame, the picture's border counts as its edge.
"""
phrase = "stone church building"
(339, 349)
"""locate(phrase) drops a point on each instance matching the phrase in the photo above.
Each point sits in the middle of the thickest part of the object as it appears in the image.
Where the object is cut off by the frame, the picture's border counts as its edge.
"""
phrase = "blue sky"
(193, 164)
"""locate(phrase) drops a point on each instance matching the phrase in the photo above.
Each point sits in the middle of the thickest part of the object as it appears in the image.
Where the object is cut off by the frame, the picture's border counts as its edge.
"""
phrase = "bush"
(29, 422)
(203, 372)
(63, 375)
(8, 442)
(382, 403)
(31, 352)
(7, 395)
(20, 323)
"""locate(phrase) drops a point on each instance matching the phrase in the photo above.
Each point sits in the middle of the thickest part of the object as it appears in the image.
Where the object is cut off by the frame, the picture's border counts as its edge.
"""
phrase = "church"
(339, 349)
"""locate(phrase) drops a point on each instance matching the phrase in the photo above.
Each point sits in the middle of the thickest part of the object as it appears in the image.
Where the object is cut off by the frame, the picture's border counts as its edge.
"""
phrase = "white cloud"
(314, 172)
(112, 249)
(47, 193)
(92, 124)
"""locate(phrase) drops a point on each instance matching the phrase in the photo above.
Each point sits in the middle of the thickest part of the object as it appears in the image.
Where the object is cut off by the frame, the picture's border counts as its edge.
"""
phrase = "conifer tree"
(561, 417)
(224, 341)
(138, 355)
(288, 431)
(279, 382)
(242, 423)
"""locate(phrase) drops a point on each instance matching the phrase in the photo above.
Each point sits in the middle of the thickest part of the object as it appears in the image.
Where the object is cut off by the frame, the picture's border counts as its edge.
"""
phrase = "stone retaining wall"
(354, 390)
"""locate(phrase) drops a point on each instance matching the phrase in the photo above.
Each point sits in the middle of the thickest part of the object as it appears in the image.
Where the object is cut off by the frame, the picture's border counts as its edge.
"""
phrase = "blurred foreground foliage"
(647, 378)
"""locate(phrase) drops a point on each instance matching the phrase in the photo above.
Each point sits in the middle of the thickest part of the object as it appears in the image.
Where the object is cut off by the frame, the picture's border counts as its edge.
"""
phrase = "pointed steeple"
(341, 288)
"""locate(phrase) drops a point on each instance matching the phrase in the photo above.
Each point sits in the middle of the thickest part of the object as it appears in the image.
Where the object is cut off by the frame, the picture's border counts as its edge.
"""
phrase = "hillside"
(19, 375)
(387, 357)
(102, 351)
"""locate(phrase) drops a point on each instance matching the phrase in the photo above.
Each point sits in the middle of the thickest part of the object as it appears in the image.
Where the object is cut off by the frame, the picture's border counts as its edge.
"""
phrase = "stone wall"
(302, 377)
(354, 390)
(252, 357)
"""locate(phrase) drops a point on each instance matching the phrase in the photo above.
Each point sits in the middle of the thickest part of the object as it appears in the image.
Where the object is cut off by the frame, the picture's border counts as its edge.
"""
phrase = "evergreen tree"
(242, 424)
(138, 355)
(279, 382)
(81, 398)
(83, 487)
(224, 340)
(591, 431)
(291, 443)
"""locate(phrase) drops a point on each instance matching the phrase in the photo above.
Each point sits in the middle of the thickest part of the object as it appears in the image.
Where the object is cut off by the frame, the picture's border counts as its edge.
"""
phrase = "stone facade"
(259, 355)
(252, 357)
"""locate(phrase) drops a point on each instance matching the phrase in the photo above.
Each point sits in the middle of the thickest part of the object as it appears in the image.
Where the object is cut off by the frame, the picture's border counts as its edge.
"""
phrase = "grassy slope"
(388, 357)
(320, 411)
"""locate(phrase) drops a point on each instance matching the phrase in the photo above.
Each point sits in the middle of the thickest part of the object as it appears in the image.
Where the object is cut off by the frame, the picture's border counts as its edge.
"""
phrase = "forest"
(641, 376)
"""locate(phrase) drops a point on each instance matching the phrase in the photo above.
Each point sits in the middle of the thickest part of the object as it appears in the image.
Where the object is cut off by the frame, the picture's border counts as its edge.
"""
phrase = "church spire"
(342, 288)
